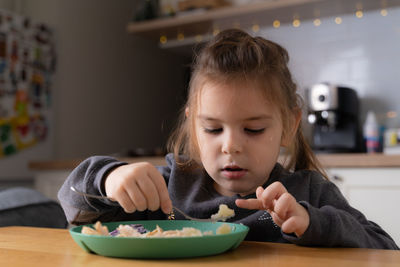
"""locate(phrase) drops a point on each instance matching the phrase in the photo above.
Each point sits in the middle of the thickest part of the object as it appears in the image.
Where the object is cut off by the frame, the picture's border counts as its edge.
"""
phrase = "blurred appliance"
(334, 115)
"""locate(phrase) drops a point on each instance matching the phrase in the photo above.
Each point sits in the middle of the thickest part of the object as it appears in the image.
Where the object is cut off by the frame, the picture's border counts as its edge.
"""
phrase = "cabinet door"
(375, 192)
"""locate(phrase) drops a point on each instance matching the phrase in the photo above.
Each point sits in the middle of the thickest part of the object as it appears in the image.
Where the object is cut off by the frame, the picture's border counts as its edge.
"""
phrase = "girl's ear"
(187, 112)
(288, 137)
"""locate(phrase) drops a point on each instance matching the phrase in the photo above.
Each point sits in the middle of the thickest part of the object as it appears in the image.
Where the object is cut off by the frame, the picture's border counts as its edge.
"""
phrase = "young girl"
(242, 109)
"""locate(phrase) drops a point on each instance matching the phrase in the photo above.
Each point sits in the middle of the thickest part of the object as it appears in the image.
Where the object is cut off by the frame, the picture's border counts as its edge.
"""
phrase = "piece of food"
(223, 213)
(128, 230)
(223, 229)
(186, 231)
(99, 229)
(89, 231)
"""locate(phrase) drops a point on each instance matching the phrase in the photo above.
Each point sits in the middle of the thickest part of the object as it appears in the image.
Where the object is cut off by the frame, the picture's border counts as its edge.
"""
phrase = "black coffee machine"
(334, 116)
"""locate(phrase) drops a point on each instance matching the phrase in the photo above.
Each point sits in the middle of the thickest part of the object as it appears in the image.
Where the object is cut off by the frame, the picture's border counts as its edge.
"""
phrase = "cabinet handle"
(337, 178)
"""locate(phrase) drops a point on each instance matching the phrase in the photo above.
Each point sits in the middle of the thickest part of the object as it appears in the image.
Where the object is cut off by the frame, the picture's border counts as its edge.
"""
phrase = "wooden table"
(30, 246)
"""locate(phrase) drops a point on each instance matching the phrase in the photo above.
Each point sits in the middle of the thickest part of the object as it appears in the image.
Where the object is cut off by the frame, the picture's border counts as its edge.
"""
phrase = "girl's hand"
(138, 186)
(283, 207)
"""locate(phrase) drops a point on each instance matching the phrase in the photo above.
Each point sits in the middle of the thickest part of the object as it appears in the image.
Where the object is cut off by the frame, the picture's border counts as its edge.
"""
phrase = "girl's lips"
(233, 172)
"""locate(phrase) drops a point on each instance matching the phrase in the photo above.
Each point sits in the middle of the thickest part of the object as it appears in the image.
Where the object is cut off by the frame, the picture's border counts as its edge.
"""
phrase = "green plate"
(162, 247)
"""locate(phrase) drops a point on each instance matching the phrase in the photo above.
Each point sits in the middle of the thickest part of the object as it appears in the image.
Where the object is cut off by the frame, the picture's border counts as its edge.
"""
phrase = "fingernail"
(167, 210)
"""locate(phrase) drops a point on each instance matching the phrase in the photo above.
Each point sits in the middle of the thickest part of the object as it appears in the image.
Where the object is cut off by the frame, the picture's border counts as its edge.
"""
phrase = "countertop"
(353, 160)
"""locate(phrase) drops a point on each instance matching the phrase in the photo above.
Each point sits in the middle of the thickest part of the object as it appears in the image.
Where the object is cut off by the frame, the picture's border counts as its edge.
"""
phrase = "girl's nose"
(231, 145)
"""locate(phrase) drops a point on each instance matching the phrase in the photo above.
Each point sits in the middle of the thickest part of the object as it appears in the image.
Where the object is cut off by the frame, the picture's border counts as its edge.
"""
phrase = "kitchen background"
(113, 90)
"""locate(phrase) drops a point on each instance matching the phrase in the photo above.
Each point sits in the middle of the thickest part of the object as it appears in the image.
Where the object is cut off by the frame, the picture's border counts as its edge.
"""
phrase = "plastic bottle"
(392, 134)
(371, 133)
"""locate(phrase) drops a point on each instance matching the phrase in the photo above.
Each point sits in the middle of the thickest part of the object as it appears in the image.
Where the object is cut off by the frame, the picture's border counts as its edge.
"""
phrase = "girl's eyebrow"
(254, 118)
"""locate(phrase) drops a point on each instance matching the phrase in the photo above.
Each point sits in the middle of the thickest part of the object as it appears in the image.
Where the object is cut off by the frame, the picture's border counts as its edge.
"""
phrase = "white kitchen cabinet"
(373, 191)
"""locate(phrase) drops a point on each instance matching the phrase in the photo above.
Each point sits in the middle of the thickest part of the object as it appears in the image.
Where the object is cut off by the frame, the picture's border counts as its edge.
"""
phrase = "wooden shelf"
(245, 16)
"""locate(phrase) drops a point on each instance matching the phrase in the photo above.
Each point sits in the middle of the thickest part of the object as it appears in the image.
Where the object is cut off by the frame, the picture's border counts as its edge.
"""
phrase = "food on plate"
(186, 231)
(223, 229)
(130, 230)
(99, 229)
(137, 230)
(223, 213)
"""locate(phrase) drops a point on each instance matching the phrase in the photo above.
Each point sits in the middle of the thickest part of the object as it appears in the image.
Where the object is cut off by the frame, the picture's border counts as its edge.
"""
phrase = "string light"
(180, 36)
(163, 39)
(215, 31)
(199, 38)
(276, 24)
(391, 114)
(255, 28)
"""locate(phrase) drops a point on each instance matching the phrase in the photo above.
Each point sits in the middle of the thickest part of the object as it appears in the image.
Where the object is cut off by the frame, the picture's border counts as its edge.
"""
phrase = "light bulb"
(163, 39)
(255, 28)
(199, 38)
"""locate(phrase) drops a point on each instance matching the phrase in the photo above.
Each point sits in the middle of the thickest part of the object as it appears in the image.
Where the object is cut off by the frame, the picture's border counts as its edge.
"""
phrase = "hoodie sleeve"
(87, 177)
(334, 223)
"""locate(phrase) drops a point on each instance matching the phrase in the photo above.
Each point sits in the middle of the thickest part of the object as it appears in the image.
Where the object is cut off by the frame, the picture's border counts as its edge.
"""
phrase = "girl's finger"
(291, 226)
(137, 197)
(271, 193)
(124, 200)
(284, 205)
(159, 182)
(259, 192)
(149, 190)
(251, 204)
(276, 218)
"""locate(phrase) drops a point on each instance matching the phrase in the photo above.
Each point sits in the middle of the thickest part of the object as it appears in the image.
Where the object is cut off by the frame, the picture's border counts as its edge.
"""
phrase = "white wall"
(112, 90)
(360, 53)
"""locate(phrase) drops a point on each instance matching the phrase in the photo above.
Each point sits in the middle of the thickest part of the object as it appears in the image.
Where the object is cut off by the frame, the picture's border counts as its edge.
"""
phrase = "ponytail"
(302, 157)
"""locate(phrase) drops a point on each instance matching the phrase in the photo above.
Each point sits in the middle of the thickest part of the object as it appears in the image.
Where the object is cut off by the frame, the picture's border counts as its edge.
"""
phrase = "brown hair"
(233, 56)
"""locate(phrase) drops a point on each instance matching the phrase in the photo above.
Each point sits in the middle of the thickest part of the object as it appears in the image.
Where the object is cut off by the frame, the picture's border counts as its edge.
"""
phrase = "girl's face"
(239, 137)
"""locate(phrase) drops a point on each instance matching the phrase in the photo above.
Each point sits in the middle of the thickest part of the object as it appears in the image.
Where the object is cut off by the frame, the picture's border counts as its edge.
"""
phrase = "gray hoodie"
(333, 222)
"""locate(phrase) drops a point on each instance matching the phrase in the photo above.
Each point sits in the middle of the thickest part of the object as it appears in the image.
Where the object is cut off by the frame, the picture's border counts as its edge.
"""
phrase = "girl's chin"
(230, 191)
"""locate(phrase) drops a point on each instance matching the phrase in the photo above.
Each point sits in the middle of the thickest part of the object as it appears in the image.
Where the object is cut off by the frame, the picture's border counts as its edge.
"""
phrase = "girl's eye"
(213, 130)
(254, 131)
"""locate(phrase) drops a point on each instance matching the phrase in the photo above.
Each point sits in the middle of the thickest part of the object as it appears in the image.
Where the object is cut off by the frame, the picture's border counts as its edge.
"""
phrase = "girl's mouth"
(233, 172)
